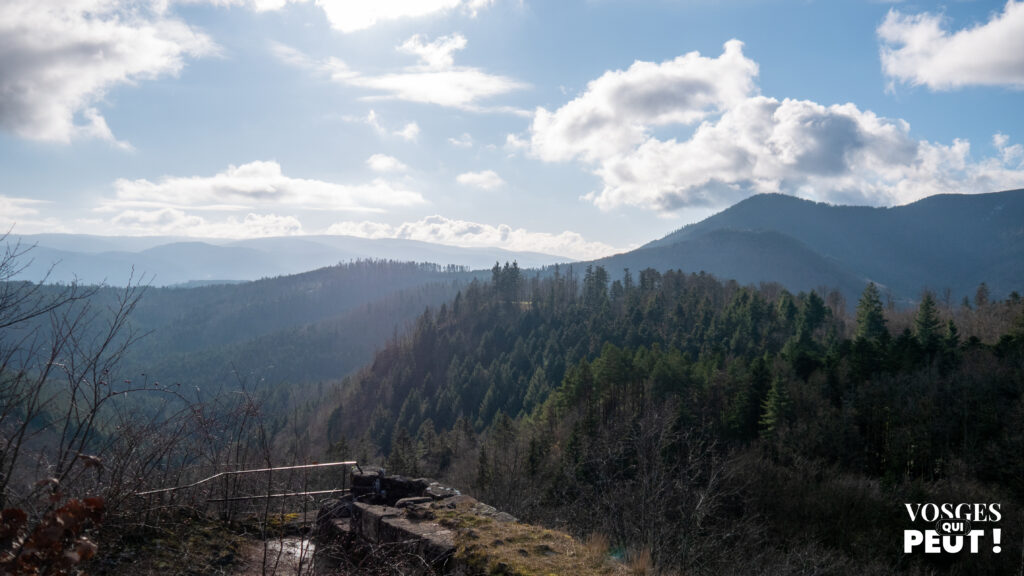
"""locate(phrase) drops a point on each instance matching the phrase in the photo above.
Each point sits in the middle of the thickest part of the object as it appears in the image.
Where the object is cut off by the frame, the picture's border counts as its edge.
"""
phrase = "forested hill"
(723, 429)
(943, 241)
(318, 325)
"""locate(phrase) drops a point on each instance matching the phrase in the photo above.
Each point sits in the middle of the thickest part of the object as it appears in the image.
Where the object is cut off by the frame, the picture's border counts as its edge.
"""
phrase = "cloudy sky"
(577, 128)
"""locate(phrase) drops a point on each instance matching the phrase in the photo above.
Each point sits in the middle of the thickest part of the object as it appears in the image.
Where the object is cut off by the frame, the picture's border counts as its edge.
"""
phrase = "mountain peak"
(953, 241)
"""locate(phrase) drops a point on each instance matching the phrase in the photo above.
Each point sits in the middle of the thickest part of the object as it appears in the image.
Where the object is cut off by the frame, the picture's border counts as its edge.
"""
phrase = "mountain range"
(166, 260)
(946, 241)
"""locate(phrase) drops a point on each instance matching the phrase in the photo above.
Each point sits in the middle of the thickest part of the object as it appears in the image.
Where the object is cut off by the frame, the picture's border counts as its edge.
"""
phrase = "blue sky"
(577, 128)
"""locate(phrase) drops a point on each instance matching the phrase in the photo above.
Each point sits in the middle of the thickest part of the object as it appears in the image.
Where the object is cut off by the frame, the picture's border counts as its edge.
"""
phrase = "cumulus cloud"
(616, 111)
(60, 58)
(176, 222)
(384, 163)
(452, 232)
(258, 184)
(745, 143)
(920, 50)
(486, 180)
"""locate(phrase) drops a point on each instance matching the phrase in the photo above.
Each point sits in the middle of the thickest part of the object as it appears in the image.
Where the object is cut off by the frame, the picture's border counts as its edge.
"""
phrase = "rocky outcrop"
(448, 532)
(406, 513)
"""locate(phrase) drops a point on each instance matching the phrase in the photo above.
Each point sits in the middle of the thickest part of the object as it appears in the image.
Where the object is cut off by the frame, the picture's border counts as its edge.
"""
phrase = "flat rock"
(406, 502)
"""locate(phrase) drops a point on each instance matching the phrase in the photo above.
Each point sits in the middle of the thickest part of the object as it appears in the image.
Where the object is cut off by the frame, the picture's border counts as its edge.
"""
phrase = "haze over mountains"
(944, 241)
(174, 260)
(322, 324)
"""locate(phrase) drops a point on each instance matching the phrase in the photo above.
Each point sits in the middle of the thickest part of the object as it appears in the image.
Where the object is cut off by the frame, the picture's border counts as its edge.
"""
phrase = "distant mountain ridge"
(307, 327)
(185, 261)
(953, 241)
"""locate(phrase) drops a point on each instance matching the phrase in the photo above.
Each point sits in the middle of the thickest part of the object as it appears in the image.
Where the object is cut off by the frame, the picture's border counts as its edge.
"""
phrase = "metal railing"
(299, 483)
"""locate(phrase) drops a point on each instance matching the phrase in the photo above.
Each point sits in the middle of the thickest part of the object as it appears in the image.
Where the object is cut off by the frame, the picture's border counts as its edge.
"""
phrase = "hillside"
(304, 328)
(723, 429)
(747, 256)
(943, 241)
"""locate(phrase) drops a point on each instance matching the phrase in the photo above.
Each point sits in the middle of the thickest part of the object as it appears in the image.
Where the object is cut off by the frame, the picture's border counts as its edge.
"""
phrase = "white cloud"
(351, 16)
(441, 230)
(257, 5)
(14, 207)
(920, 50)
(436, 79)
(331, 68)
(348, 16)
(21, 215)
(60, 58)
(1011, 154)
(746, 143)
(436, 55)
(617, 110)
(456, 88)
(486, 180)
(464, 141)
(384, 164)
(172, 221)
(409, 132)
(514, 144)
(258, 184)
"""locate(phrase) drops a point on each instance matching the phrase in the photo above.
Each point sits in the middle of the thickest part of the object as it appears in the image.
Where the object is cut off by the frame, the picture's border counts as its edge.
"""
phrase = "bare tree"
(59, 346)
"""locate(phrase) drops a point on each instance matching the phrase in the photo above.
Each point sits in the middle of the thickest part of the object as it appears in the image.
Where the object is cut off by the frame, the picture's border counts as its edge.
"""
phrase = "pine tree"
(952, 335)
(775, 407)
(870, 316)
(813, 312)
(927, 323)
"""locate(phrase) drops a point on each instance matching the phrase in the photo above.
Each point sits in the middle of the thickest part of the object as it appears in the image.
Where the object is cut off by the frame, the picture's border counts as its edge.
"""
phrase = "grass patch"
(511, 548)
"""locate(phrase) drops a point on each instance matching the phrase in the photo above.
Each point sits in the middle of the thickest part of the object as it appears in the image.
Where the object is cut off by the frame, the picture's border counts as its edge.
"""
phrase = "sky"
(578, 128)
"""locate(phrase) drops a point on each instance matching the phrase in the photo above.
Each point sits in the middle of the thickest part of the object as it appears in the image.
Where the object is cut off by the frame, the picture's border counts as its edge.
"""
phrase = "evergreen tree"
(871, 316)
(813, 312)
(402, 459)
(775, 407)
(927, 323)
(952, 335)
